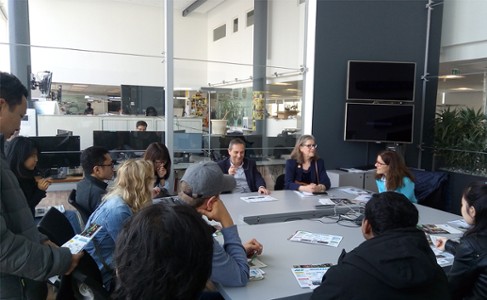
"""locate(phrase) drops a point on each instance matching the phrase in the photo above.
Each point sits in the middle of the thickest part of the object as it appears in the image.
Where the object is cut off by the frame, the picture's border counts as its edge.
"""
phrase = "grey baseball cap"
(207, 179)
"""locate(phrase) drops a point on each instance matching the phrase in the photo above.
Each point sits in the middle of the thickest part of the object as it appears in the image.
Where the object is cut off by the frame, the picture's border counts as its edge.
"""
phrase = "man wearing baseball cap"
(201, 187)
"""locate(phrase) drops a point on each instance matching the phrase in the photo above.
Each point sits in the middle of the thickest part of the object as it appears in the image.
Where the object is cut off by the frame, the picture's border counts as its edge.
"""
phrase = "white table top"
(280, 254)
(289, 206)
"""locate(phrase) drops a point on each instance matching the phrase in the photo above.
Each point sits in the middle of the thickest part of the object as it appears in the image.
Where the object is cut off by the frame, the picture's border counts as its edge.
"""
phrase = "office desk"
(280, 254)
(289, 206)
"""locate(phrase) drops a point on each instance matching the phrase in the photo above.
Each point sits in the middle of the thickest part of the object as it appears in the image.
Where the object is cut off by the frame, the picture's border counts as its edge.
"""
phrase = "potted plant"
(461, 140)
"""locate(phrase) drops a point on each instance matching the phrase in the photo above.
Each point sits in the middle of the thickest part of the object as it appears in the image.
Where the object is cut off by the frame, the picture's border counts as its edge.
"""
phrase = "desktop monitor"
(188, 142)
(58, 151)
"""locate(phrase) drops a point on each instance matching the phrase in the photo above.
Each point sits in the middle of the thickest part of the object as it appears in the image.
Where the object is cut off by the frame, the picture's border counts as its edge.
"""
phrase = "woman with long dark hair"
(467, 277)
(159, 155)
(22, 155)
(392, 174)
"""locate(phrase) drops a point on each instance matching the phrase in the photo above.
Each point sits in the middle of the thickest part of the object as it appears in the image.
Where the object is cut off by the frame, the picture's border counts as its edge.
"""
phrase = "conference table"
(280, 254)
(288, 206)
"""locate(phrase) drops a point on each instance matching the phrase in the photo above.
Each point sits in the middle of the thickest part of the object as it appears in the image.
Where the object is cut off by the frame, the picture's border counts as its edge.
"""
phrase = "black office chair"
(56, 226)
(86, 277)
(82, 212)
(279, 183)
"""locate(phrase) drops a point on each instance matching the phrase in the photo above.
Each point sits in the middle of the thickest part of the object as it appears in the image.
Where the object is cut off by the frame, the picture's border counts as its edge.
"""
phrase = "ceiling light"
(462, 89)
(281, 83)
(455, 74)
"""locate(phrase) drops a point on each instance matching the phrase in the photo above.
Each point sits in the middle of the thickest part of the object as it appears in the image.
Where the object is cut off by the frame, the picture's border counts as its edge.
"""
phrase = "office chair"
(279, 183)
(56, 226)
(82, 212)
(86, 279)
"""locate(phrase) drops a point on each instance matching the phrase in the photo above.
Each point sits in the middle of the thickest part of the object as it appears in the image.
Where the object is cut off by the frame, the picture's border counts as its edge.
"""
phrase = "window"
(219, 32)
(235, 25)
(250, 18)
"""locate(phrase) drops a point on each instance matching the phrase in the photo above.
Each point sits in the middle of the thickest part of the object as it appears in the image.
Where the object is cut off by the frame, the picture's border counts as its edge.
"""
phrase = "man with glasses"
(97, 167)
(201, 187)
(244, 170)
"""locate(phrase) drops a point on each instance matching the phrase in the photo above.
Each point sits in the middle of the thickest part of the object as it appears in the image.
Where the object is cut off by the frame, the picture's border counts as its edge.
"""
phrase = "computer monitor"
(58, 151)
(63, 132)
(188, 142)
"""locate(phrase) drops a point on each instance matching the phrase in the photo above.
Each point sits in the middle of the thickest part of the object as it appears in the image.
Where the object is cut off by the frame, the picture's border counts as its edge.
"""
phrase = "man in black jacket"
(244, 170)
(395, 261)
(97, 167)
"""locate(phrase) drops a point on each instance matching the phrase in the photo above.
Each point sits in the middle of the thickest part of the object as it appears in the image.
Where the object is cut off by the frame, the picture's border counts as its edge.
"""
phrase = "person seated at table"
(393, 175)
(163, 252)
(141, 125)
(395, 261)
(467, 277)
(131, 191)
(201, 186)
(158, 154)
(97, 168)
(22, 153)
(305, 171)
(244, 170)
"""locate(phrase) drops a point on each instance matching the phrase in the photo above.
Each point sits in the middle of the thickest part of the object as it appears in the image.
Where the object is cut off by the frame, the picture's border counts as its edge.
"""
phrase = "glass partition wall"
(230, 80)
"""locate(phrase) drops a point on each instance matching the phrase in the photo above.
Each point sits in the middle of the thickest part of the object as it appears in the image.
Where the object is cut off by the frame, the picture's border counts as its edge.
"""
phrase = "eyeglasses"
(109, 165)
(380, 164)
(310, 146)
(159, 162)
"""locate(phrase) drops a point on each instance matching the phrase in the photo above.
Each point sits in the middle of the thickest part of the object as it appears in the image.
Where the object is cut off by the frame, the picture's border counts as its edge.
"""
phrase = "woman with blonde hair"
(305, 171)
(131, 192)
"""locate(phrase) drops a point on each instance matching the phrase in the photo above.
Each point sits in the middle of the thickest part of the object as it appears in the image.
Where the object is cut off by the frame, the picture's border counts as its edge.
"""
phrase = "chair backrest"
(56, 226)
(85, 282)
(279, 182)
(82, 212)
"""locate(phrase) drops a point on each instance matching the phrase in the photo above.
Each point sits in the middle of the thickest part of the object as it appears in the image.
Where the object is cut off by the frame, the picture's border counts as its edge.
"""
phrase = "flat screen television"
(58, 151)
(379, 123)
(381, 80)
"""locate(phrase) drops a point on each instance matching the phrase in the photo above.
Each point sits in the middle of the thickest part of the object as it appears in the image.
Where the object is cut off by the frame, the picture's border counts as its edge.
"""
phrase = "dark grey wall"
(386, 30)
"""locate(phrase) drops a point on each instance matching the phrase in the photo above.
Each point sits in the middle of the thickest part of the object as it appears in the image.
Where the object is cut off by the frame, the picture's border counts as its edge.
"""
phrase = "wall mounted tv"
(381, 80)
(379, 123)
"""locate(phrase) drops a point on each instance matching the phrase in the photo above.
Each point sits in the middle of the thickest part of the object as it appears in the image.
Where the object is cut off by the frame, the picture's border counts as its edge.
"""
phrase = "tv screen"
(375, 80)
(379, 123)
(58, 151)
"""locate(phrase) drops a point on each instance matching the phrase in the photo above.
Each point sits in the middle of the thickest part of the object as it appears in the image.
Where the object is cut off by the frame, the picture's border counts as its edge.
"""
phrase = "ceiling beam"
(192, 7)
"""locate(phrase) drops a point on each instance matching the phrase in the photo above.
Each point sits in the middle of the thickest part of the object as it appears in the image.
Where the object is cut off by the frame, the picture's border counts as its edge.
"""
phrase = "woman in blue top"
(393, 175)
(305, 171)
(131, 191)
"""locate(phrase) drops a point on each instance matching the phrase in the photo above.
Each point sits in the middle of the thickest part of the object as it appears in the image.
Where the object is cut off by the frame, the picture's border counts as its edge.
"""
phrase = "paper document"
(310, 276)
(79, 241)
(439, 229)
(259, 198)
(42, 210)
(316, 238)
(304, 194)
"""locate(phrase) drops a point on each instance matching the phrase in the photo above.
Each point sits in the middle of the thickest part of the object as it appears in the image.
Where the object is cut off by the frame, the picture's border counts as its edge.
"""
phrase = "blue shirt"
(111, 214)
(407, 188)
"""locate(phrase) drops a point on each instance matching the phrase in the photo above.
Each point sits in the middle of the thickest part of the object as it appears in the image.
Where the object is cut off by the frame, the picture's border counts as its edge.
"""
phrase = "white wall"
(464, 34)
(4, 49)
(106, 28)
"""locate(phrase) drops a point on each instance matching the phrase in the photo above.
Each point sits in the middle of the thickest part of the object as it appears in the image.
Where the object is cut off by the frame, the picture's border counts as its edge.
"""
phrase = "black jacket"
(468, 275)
(32, 193)
(398, 264)
(253, 176)
(89, 193)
